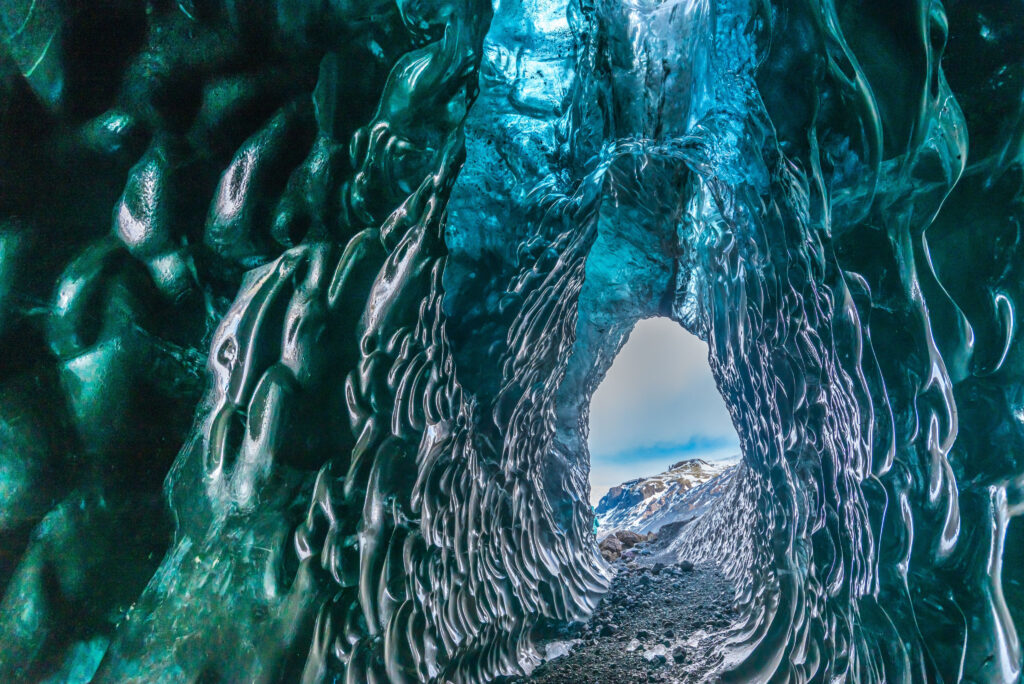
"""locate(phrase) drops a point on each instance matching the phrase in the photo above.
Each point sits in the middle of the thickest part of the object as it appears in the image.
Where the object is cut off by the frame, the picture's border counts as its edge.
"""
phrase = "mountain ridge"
(682, 492)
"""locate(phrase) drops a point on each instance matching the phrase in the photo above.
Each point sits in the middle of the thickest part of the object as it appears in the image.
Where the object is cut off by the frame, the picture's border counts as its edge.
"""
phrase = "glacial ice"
(408, 239)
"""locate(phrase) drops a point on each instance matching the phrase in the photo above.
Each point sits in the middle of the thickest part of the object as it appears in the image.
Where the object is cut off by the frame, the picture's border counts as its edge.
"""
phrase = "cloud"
(658, 404)
(697, 444)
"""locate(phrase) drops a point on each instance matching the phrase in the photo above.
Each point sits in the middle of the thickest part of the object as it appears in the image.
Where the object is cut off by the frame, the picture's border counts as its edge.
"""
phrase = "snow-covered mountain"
(682, 492)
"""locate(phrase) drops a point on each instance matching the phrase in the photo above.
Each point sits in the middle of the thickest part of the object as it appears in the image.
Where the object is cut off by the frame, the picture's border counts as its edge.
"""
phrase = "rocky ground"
(656, 624)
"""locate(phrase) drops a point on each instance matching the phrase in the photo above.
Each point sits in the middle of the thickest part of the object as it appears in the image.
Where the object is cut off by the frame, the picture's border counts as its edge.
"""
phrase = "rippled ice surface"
(302, 305)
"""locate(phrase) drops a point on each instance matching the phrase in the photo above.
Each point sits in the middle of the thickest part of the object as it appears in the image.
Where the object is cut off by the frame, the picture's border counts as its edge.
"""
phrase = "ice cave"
(302, 305)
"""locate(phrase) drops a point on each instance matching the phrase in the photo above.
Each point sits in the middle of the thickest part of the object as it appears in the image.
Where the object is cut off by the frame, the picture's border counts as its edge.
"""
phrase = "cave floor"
(657, 623)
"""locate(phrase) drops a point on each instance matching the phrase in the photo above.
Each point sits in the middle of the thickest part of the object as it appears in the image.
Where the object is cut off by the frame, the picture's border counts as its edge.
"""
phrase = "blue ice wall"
(409, 238)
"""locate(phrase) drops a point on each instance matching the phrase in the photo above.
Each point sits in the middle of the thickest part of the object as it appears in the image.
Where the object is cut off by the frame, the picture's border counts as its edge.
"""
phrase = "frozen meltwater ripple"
(409, 239)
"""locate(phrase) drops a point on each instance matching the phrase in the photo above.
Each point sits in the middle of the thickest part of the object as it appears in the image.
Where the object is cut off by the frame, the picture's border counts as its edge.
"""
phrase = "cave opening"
(658, 429)
(657, 405)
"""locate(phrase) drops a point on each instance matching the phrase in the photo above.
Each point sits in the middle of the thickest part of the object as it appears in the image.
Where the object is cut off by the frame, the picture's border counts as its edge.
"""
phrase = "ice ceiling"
(410, 237)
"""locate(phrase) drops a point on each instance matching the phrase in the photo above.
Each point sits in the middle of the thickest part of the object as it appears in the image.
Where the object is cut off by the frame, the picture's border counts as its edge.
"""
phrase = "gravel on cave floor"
(657, 623)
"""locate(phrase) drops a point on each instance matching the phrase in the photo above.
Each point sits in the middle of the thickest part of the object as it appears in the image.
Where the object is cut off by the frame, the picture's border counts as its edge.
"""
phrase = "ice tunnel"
(301, 306)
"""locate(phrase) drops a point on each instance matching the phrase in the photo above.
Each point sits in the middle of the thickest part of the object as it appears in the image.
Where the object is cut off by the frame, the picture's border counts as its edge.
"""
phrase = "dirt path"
(654, 625)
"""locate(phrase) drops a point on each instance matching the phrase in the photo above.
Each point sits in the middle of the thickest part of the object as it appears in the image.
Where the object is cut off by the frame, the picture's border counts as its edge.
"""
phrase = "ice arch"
(410, 237)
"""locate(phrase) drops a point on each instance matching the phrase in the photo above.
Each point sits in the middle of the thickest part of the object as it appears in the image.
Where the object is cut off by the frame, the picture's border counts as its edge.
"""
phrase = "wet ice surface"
(657, 623)
(398, 249)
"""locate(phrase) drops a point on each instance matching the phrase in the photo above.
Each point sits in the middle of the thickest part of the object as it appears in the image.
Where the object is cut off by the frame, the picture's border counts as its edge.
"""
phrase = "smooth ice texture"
(409, 238)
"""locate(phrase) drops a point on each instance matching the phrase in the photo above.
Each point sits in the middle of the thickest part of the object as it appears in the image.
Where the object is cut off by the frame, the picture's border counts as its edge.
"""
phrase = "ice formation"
(411, 237)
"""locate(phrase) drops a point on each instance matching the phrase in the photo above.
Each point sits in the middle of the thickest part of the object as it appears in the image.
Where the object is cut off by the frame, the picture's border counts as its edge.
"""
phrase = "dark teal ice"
(302, 305)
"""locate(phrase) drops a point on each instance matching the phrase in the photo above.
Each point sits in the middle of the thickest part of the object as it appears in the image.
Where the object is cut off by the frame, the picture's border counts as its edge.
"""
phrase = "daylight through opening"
(661, 440)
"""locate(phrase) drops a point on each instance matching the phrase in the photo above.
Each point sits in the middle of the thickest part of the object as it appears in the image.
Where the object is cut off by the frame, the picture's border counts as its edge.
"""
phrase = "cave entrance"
(657, 407)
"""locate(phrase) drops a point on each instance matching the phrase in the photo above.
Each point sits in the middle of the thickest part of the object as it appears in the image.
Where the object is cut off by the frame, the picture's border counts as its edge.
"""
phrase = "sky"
(657, 405)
